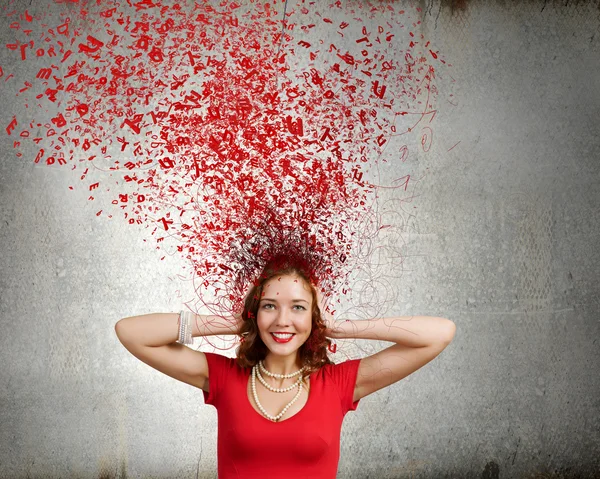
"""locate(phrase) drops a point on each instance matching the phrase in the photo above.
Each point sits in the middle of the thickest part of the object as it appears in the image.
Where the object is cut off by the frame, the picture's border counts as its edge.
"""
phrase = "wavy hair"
(252, 349)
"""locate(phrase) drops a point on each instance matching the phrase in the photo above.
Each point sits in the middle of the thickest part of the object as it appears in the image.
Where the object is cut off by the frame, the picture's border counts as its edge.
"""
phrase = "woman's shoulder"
(341, 364)
(340, 370)
(222, 362)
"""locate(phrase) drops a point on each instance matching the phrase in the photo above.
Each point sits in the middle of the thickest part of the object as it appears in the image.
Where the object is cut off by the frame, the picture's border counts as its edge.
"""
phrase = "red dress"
(306, 445)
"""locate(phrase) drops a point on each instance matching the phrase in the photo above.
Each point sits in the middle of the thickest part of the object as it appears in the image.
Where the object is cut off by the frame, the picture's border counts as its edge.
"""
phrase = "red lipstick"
(281, 340)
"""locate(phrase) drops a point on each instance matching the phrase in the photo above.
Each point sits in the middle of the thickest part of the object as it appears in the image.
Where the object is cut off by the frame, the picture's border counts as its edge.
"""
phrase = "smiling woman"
(284, 300)
(281, 402)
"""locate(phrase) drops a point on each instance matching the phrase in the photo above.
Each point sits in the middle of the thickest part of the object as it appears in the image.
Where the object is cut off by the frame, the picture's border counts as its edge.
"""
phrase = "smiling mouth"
(282, 338)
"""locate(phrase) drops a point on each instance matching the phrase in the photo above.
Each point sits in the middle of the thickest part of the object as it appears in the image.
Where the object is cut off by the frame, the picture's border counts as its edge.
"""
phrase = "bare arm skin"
(152, 339)
(419, 339)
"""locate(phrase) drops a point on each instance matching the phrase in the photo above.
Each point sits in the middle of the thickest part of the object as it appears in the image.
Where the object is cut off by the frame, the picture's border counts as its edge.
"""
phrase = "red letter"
(93, 45)
(44, 73)
(13, 124)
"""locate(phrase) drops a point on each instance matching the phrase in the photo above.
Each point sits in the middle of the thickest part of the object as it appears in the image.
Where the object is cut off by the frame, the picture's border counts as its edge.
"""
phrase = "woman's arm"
(152, 338)
(158, 329)
(411, 331)
(419, 339)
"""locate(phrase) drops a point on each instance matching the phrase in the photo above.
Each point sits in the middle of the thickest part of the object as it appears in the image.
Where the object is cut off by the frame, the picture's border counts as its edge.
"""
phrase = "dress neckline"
(249, 403)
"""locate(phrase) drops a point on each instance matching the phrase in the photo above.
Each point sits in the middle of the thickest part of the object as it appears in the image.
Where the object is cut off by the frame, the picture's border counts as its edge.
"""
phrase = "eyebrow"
(293, 300)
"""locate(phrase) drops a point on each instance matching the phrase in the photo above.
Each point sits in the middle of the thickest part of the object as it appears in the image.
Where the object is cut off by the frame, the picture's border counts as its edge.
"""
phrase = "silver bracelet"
(185, 327)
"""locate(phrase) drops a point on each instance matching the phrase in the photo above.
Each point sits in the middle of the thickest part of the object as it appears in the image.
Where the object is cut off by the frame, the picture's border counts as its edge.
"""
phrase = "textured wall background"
(503, 240)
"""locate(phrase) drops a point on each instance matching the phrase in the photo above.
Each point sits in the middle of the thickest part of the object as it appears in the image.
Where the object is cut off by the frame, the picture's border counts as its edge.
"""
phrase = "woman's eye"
(268, 306)
(301, 308)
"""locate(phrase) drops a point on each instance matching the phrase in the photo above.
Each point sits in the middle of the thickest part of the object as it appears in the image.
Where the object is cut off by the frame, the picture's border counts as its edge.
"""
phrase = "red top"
(306, 445)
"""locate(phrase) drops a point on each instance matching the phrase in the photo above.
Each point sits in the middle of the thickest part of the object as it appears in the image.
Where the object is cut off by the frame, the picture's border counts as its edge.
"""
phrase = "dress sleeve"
(218, 370)
(344, 375)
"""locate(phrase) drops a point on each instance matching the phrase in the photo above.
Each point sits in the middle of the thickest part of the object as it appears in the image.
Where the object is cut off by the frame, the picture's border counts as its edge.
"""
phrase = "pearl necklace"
(256, 372)
(280, 376)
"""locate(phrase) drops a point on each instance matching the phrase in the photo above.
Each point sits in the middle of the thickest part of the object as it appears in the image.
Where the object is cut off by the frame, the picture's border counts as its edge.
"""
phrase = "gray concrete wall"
(503, 241)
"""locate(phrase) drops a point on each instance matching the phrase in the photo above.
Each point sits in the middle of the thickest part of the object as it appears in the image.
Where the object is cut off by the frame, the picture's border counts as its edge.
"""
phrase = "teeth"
(283, 336)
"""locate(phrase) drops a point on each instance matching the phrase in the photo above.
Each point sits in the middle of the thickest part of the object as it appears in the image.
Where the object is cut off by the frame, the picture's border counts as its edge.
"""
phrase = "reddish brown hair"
(313, 353)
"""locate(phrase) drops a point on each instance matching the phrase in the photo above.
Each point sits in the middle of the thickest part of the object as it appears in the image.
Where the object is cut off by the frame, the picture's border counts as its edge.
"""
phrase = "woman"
(281, 402)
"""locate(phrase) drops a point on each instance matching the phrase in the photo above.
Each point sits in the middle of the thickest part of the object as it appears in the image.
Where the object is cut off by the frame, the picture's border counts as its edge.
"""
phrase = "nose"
(283, 318)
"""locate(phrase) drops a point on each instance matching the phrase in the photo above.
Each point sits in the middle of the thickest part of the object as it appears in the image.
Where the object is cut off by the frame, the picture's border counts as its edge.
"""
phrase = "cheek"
(307, 324)
(263, 320)
(260, 321)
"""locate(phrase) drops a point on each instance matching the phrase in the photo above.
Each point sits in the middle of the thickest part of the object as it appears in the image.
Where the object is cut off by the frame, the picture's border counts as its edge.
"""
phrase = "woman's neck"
(282, 364)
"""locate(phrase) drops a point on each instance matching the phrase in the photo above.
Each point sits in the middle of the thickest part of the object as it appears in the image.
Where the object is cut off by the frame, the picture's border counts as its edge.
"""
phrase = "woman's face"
(285, 307)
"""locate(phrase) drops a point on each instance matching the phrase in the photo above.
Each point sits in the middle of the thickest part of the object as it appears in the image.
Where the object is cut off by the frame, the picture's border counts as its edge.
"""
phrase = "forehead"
(290, 284)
